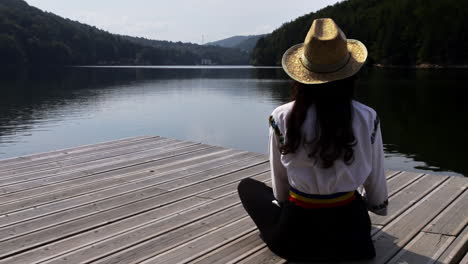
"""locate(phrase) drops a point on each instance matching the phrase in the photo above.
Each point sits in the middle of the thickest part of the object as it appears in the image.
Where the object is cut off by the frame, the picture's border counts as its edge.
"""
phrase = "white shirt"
(304, 174)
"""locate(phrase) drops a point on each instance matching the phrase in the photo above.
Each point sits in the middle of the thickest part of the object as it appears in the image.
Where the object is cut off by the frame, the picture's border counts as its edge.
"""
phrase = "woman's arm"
(279, 176)
(376, 183)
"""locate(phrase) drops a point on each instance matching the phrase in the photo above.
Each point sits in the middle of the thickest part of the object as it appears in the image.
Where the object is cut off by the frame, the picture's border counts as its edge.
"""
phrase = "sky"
(183, 20)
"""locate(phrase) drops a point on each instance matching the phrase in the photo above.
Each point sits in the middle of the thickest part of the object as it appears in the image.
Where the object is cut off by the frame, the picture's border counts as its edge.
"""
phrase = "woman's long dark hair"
(334, 138)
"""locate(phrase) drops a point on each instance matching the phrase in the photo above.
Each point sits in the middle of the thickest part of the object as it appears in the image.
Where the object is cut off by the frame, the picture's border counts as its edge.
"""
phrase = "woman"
(326, 157)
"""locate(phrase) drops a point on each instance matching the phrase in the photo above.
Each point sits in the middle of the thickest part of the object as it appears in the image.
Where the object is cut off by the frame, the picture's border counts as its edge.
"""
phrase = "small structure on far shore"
(207, 62)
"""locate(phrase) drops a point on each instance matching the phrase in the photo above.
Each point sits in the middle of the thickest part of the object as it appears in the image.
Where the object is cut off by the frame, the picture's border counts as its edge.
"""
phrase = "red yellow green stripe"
(320, 201)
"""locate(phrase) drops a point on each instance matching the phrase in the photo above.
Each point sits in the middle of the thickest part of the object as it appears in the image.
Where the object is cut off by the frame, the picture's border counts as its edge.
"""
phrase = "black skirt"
(303, 234)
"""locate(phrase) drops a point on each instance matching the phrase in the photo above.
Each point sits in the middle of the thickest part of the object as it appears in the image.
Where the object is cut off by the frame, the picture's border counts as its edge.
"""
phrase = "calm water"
(423, 112)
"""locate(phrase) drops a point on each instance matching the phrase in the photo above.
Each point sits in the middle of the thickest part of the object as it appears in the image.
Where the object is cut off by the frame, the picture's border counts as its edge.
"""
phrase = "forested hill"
(396, 32)
(229, 42)
(246, 43)
(31, 36)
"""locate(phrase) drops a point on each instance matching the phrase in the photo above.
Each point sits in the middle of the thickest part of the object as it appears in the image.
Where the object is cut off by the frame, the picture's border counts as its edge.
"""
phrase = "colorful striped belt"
(306, 200)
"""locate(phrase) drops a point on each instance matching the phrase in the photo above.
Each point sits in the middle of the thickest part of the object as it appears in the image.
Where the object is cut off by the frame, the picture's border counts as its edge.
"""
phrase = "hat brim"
(293, 66)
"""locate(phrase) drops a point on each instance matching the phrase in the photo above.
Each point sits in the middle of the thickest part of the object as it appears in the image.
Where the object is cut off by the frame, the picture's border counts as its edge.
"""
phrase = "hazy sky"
(183, 20)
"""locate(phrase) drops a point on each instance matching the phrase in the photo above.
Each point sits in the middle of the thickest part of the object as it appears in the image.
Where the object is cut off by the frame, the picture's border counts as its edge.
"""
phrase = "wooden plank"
(196, 178)
(63, 164)
(121, 229)
(253, 255)
(95, 165)
(112, 199)
(67, 178)
(55, 249)
(401, 181)
(153, 237)
(465, 259)
(117, 231)
(117, 177)
(425, 248)
(453, 219)
(219, 192)
(33, 181)
(179, 238)
(99, 218)
(66, 151)
(263, 256)
(234, 251)
(408, 197)
(137, 208)
(400, 231)
(61, 214)
(107, 193)
(70, 156)
(204, 244)
(390, 174)
(33, 197)
(49, 169)
(455, 251)
(23, 204)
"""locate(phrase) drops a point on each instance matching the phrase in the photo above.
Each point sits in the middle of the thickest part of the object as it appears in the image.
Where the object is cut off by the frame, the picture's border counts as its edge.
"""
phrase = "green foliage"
(185, 53)
(246, 43)
(31, 36)
(396, 32)
(10, 53)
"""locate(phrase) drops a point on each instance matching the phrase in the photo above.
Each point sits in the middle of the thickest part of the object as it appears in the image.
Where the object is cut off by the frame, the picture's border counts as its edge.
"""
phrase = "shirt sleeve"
(279, 176)
(376, 184)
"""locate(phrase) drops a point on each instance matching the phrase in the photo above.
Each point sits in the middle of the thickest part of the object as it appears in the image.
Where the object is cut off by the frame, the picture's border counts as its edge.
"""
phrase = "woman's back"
(306, 174)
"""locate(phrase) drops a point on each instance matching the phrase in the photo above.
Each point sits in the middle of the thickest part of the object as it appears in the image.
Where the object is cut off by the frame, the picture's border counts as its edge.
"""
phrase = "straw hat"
(326, 55)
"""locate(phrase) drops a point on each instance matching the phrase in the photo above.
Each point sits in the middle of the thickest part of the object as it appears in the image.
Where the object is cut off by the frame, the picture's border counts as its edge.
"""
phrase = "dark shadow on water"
(423, 112)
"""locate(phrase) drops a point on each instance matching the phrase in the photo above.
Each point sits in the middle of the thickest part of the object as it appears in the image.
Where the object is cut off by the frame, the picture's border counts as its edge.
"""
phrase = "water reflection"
(423, 111)
(424, 114)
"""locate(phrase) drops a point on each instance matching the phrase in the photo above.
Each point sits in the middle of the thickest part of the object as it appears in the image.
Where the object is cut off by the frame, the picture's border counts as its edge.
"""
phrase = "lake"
(423, 112)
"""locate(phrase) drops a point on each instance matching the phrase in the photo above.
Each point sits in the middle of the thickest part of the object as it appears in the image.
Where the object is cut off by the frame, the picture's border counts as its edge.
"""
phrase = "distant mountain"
(229, 42)
(29, 35)
(246, 43)
(396, 32)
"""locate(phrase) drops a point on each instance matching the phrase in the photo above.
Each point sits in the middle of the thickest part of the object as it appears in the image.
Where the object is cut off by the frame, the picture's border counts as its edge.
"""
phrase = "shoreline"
(422, 66)
(377, 65)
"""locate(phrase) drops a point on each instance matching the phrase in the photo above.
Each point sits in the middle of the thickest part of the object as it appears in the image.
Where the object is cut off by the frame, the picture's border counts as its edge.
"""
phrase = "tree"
(10, 52)
(402, 32)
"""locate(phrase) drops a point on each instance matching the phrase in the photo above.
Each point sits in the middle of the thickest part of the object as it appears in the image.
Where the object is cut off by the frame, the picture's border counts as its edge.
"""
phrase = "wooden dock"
(158, 200)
